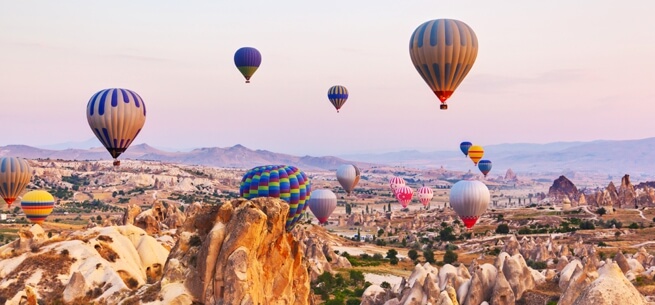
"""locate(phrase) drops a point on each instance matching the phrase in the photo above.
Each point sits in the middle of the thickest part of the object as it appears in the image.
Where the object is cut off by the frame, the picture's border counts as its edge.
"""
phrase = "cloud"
(492, 83)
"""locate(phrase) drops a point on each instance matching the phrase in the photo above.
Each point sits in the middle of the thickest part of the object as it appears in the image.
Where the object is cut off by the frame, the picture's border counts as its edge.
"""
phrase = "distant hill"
(634, 157)
(236, 156)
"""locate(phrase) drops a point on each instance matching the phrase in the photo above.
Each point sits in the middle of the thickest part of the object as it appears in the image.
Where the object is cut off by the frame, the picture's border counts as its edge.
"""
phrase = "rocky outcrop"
(239, 253)
(626, 192)
(611, 287)
(131, 213)
(502, 292)
(510, 175)
(160, 217)
(563, 187)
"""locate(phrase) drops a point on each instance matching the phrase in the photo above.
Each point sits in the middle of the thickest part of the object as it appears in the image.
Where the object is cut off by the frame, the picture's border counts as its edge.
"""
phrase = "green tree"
(601, 211)
(393, 261)
(385, 285)
(357, 277)
(367, 209)
(392, 253)
(412, 254)
(380, 232)
(449, 257)
(429, 256)
(502, 228)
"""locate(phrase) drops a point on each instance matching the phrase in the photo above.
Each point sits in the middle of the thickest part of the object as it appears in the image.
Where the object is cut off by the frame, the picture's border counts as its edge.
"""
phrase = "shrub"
(394, 261)
(450, 257)
(412, 254)
(385, 285)
(502, 229)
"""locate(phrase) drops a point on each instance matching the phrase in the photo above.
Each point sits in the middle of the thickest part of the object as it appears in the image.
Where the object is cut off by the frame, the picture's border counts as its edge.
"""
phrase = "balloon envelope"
(116, 117)
(322, 203)
(484, 166)
(464, 147)
(247, 60)
(348, 176)
(425, 194)
(396, 182)
(338, 96)
(443, 52)
(404, 195)
(15, 175)
(475, 153)
(37, 205)
(470, 200)
(279, 181)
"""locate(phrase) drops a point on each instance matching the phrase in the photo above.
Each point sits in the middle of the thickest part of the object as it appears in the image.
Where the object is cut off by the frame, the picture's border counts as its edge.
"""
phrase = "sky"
(546, 71)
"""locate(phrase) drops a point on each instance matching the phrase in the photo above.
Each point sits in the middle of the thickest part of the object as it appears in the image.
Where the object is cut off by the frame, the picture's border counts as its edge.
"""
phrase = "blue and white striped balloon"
(116, 117)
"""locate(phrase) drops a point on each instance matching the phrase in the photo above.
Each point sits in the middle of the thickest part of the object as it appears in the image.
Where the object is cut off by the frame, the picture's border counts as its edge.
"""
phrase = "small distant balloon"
(247, 60)
(404, 195)
(396, 182)
(348, 176)
(338, 95)
(279, 181)
(322, 203)
(464, 147)
(425, 195)
(443, 52)
(116, 117)
(15, 175)
(484, 166)
(475, 153)
(469, 199)
(37, 205)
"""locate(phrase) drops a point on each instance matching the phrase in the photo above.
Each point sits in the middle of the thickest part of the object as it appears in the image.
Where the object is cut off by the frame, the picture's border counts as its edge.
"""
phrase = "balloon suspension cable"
(443, 106)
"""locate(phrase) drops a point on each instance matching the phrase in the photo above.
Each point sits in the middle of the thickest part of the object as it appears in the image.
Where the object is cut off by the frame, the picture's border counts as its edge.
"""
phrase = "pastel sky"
(546, 71)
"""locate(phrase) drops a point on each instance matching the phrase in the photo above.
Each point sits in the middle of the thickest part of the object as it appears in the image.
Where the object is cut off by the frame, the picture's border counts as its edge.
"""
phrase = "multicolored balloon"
(443, 52)
(469, 199)
(279, 181)
(425, 195)
(322, 203)
(484, 166)
(116, 117)
(37, 205)
(464, 147)
(396, 182)
(338, 96)
(247, 60)
(15, 175)
(404, 195)
(348, 176)
(475, 153)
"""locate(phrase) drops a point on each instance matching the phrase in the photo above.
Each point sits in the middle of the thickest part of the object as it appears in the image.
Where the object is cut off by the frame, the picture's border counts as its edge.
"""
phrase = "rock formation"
(239, 253)
(563, 187)
(626, 193)
(510, 175)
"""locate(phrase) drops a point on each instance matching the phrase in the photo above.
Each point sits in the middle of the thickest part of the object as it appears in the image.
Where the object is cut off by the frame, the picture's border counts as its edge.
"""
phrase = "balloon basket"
(247, 82)
(443, 107)
(117, 163)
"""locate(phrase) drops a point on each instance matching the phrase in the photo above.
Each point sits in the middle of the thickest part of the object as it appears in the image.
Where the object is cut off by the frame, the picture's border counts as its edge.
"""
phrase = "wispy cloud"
(488, 83)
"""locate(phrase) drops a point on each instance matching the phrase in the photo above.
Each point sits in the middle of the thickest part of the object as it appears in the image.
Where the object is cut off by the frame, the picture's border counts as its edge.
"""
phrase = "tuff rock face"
(239, 253)
(563, 187)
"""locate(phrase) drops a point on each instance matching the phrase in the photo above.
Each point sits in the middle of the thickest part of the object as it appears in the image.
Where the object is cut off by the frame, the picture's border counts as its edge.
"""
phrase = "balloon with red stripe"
(425, 195)
(322, 203)
(404, 195)
(396, 182)
(37, 205)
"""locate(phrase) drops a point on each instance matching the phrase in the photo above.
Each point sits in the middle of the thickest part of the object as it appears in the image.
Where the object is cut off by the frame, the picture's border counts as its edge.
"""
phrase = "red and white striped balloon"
(425, 194)
(396, 182)
(404, 195)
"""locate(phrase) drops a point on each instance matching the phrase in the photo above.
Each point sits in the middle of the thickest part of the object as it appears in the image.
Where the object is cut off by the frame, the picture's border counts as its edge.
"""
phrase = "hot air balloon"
(37, 205)
(116, 116)
(280, 181)
(425, 194)
(15, 175)
(404, 195)
(395, 182)
(475, 153)
(338, 96)
(469, 199)
(247, 60)
(322, 203)
(484, 166)
(464, 147)
(443, 52)
(348, 176)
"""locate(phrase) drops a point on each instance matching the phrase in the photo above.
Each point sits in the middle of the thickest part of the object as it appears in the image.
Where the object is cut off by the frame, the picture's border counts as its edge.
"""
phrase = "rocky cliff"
(563, 187)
